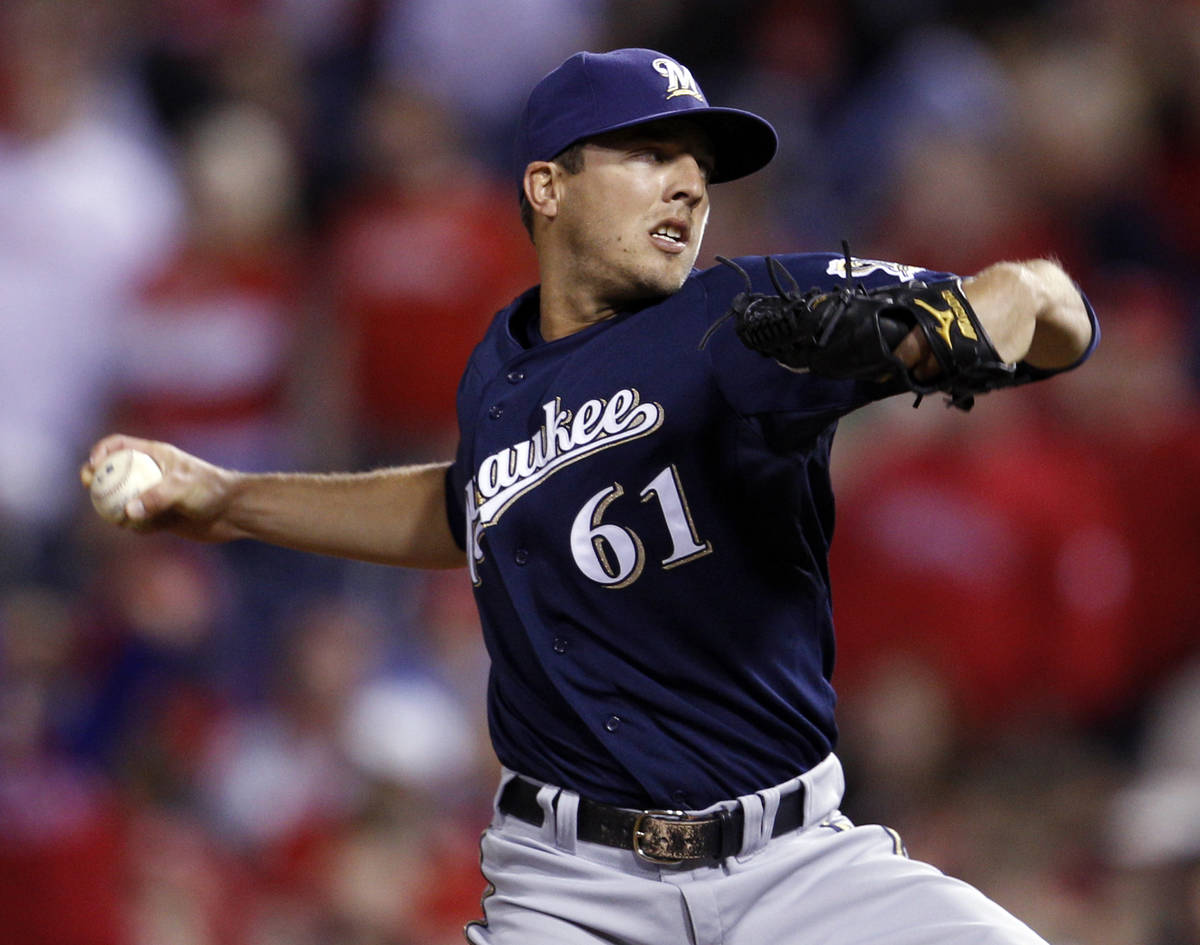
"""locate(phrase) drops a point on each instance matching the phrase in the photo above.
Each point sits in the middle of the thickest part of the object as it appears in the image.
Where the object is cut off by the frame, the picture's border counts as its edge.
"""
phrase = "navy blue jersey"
(647, 524)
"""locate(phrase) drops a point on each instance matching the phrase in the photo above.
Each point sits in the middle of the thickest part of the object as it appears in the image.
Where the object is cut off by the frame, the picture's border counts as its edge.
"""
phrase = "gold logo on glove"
(955, 314)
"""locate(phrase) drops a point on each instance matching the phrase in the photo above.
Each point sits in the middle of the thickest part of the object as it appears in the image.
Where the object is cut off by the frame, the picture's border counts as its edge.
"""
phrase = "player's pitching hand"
(190, 500)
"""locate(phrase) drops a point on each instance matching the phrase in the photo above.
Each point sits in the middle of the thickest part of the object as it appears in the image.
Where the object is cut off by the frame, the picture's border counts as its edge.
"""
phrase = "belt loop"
(566, 819)
(770, 800)
(546, 796)
(752, 821)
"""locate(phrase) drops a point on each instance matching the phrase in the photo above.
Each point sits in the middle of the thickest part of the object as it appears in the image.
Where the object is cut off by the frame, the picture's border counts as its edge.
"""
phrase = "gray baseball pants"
(828, 882)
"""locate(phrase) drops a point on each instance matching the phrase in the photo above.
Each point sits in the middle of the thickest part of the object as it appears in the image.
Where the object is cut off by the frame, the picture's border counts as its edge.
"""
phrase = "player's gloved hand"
(190, 499)
(854, 333)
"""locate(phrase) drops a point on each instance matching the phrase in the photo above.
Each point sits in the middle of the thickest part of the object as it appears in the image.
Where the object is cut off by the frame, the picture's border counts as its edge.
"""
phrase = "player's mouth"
(671, 236)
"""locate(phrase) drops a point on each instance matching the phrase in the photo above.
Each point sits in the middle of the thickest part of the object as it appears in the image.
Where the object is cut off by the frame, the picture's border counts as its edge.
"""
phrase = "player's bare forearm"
(1032, 311)
(1064, 329)
(390, 516)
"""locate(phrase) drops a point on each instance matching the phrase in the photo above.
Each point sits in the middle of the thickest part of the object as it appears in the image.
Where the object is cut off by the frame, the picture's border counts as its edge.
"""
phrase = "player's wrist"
(240, 503)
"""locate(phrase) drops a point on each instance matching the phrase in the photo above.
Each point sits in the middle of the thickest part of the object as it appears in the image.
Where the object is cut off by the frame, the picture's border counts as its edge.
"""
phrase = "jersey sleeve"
(758, 386)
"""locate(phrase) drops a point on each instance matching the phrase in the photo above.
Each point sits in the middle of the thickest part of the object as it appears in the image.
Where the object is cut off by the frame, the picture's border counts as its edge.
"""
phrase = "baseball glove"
(852, 332)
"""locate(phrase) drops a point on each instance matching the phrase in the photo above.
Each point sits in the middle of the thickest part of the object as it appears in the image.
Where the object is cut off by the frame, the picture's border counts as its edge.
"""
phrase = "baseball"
(121, 477)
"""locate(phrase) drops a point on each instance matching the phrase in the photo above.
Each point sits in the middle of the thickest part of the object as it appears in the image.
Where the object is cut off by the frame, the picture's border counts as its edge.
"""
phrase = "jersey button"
(515, 377)
(561, 645)
(520, 556)
(495, 411)
(612, 723)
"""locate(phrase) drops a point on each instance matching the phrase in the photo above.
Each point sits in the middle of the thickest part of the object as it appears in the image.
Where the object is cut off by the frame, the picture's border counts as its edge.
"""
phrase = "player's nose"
(686, 180)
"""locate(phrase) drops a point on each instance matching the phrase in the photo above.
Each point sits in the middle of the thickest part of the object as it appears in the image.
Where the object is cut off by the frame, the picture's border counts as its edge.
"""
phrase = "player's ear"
(542, 188)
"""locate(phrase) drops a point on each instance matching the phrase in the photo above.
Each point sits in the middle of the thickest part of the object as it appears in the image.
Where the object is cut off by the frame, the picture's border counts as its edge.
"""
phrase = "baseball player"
(641, 498)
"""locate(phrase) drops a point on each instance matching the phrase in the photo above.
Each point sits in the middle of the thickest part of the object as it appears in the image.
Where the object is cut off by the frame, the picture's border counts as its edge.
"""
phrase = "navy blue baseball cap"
(592, 93)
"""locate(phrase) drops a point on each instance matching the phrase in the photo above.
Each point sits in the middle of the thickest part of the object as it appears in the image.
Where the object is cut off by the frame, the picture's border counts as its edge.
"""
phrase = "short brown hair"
(570, 159)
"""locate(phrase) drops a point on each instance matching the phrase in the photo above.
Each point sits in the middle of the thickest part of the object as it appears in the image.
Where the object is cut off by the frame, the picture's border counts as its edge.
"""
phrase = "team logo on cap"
(679, 78)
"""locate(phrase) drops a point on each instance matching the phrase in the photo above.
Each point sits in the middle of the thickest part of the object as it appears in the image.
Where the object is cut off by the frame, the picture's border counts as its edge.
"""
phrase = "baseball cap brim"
(742, 142)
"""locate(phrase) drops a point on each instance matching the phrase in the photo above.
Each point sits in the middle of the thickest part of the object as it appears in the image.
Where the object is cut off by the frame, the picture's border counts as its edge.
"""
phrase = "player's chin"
(658, 287)
(669, 276)
(653, 277)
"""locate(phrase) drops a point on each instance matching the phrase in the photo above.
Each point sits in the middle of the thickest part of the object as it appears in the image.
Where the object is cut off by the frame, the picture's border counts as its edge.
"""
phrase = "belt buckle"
(671, 816)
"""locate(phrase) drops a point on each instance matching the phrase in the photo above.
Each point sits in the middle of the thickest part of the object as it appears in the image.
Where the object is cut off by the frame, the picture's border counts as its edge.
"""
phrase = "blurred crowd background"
(270, 231)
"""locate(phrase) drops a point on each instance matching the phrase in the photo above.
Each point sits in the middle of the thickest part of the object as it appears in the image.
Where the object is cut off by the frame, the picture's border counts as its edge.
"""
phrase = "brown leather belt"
(663, 837)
